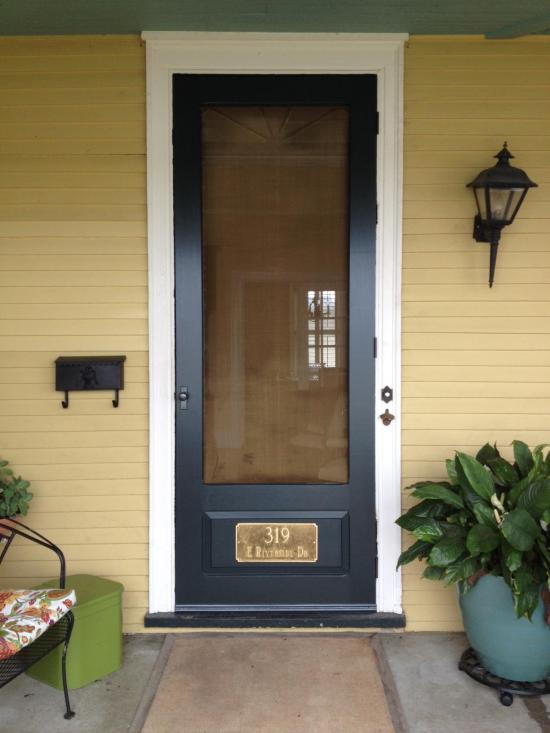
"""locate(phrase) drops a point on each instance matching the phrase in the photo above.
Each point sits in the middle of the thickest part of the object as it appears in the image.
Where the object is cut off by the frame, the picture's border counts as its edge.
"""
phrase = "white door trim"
(264, 53)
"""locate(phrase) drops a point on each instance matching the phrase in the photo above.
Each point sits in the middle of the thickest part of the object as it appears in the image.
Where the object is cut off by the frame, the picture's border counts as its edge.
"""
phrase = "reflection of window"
(321, 329)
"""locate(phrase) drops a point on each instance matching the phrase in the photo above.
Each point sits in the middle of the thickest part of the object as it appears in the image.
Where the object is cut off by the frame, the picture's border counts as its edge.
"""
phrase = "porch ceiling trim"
(264, 53)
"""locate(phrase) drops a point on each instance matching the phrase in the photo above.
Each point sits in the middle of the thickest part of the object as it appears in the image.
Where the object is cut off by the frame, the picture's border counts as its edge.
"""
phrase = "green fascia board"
(74, 17)
(540, 24)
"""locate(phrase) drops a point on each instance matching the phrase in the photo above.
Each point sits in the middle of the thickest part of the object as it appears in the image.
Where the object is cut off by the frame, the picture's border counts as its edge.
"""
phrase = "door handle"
(183, 397)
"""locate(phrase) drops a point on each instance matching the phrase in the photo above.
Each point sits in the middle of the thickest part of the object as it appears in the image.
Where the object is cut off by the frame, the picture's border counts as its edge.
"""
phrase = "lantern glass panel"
(516, 197)
(504, 203)
(480, 200)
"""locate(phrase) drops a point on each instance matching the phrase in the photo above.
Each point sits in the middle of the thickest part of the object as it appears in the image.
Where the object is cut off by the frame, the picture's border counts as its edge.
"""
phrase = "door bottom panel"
(227, 550)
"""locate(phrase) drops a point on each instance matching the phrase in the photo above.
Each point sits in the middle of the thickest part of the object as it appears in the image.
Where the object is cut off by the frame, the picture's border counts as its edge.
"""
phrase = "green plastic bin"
(95, 649)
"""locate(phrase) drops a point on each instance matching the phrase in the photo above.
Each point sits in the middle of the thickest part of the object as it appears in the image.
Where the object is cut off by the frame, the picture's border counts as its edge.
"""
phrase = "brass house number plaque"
(276, 542)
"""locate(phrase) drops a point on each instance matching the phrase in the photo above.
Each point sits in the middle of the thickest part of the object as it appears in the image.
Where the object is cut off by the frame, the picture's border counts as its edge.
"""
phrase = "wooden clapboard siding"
(73, 273)
(476, 362)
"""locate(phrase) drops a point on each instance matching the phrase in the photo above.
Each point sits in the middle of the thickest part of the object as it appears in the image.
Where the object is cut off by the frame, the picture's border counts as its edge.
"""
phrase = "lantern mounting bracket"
(483, 233)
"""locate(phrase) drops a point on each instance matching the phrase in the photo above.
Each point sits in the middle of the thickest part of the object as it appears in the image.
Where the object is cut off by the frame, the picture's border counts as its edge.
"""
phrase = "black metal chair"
(57, 633)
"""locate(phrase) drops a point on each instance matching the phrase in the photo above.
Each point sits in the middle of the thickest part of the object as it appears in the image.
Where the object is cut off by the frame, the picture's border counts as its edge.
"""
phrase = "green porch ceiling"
(505, 18)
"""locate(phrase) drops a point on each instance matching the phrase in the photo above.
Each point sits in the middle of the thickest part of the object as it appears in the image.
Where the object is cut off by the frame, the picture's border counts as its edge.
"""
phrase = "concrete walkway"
(436, 698)
(107, 706)
(424, 689)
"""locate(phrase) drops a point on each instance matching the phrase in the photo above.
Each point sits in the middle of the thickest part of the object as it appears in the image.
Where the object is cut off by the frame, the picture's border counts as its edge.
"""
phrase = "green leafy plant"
(14, 497)
(490, 516)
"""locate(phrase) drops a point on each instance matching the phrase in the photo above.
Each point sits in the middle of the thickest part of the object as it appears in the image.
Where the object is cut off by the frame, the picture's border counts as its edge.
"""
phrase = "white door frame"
(263, 53)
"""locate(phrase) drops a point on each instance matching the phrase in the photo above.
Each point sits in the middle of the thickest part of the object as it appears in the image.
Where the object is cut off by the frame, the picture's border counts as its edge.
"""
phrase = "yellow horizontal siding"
(72, 295)
(26, 553)
(92, 488)
(475, 361)
(452, 437)
(73, 273)
(76, 423)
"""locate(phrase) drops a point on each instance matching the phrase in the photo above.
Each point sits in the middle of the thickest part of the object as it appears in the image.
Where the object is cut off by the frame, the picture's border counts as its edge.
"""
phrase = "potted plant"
(486, 529)
(14, 497)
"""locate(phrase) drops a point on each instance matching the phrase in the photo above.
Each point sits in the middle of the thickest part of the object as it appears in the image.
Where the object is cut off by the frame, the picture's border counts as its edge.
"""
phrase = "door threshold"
(275, 619)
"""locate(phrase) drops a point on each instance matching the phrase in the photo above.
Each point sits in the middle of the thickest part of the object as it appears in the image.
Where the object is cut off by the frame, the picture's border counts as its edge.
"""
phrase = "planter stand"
(470, 664)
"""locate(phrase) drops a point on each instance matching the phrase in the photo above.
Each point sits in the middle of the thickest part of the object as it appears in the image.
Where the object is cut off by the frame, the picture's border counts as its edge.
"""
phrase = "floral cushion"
(27, 614)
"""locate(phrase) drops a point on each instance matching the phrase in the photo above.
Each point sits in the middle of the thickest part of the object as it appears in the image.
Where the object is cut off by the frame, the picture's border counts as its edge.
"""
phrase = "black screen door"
(274, 219)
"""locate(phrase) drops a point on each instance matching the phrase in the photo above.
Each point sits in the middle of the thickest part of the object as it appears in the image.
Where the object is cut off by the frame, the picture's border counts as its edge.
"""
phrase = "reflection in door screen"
(275, 275)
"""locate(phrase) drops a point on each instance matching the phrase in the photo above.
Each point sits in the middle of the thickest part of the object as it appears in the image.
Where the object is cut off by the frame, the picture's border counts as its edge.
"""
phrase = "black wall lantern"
(499, 193)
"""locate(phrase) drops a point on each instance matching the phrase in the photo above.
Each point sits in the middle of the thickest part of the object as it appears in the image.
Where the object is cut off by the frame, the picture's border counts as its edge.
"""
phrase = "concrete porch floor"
(426, 693)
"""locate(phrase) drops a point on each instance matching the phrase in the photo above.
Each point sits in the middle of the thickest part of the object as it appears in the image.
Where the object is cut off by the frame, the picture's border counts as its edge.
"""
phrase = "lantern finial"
(504, 156)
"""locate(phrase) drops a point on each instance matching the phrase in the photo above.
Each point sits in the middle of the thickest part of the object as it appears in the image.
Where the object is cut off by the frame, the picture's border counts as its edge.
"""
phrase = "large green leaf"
(484, 514)
(451, 471)
(428, 508)
(482, 539)
(453, 530)
(505, 473)
(544, 551)
(479, 478)
(487, 453)
(419, 549)
(438, 491)
(433, 530)
(447, 551)
(517, 490)
(512, 558)
(523, 578)
(429, 531)
(462, 517)
(536, 498)
(410, 522)
(461, 478)
(482, 511)
(526, 603)
(539, 467)
(526, 591)
(520, 529)
(433, 573)
(522, 456)
(461, 570)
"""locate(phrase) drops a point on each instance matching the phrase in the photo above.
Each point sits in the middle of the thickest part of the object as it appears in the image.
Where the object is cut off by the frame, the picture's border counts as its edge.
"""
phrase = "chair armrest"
(10, 528)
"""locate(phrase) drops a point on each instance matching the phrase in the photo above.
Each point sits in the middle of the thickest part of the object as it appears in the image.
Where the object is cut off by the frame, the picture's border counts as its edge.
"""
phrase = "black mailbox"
(87, 373)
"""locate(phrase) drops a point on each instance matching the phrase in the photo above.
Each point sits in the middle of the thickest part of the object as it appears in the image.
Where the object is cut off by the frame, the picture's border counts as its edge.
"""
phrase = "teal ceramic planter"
(516, 649)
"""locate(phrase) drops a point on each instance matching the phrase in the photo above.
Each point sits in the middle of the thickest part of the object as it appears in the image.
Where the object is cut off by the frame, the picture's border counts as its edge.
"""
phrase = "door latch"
(183, 397)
